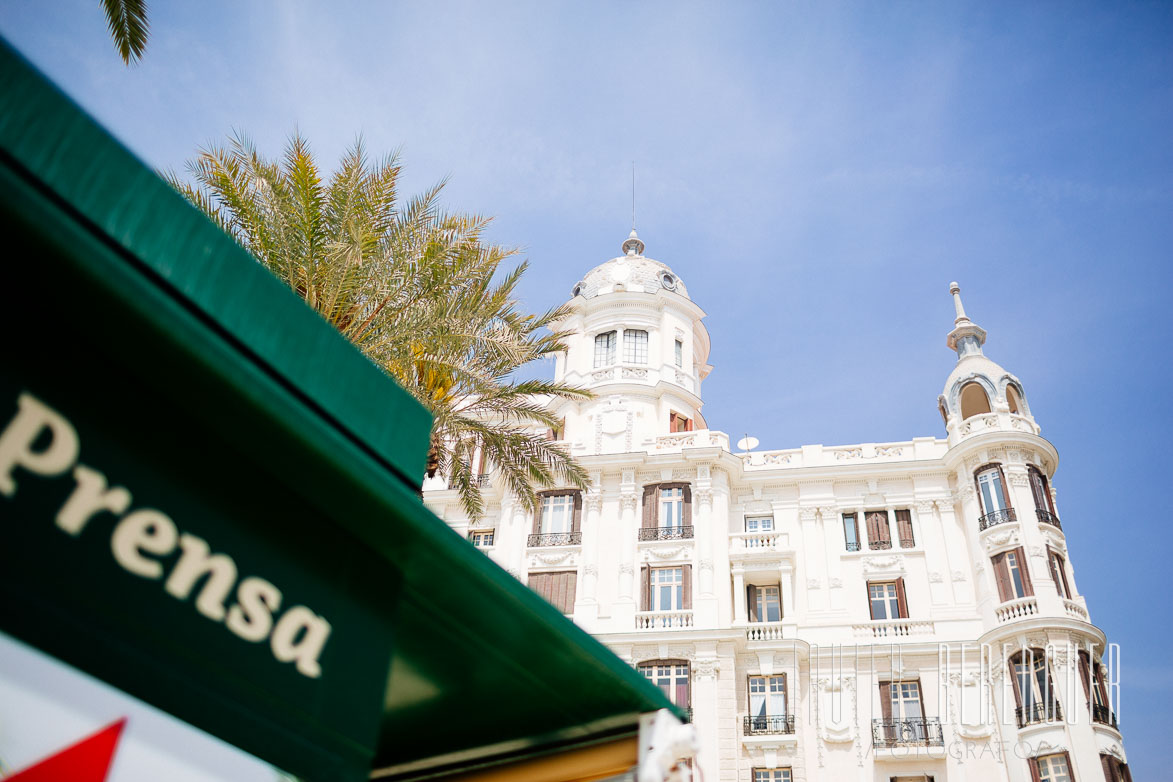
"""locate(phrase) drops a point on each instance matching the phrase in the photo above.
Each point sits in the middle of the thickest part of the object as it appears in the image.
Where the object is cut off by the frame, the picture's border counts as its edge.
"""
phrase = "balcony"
(1075, 610)
(1103, 715)
(767, 725)
(893, 629)
(764, 631)
(878, 545)
(1046, 517)
(482, 481)
(1038, 712)
(889, 734)
(1021, 608)
(853, 547)
(995, 517)
(554, 539)
(665, 533)
(663, 620)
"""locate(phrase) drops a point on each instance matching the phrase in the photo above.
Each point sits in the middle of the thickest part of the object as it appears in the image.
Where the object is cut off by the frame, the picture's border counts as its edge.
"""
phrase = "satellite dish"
(747, 443)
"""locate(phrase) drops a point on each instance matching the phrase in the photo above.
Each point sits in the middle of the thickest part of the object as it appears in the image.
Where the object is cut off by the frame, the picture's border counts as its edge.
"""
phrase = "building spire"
(966, 337)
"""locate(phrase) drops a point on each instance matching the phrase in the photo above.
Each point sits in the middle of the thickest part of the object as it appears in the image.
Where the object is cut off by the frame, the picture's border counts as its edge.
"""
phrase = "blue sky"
(816, 173)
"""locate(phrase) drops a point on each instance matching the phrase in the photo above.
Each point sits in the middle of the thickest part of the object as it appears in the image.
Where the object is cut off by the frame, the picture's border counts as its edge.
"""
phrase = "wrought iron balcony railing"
(852, 546)
(876, 545)
(1046, 517)
(994, 517)
(1038, 712)
(1103, 715)
(767, 724)
(555, 539)
(907, 733)
(665, 533)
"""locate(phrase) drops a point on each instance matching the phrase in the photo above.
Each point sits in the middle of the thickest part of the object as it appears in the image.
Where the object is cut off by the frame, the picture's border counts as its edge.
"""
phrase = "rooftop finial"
(633, 245)
(966, 337)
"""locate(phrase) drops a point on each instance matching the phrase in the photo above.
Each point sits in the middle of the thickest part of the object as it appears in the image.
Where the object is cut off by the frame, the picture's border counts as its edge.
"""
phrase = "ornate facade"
(864, 612)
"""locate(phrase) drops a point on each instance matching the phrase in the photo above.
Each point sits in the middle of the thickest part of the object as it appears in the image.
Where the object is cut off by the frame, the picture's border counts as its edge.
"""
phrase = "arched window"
(974, 400)
(1033, 690)
(671, 676)
(1012, 400)
(991, 488)
(1041, 491)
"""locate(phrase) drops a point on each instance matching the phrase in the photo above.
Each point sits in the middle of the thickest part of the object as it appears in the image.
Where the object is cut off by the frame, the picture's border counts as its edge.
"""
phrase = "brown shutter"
(1014, 679)
(901, 599)
(645, 601)
(651, 519)
(1024, 568)
(1102, 686)
(1070, 768)
(1037, 490)
(686, 577)
(537, 526)
(878, 529)
(1001, 576)
(1034, 770)
(1005, 490)
(1063, 575)
(571, 592)
(751, 596)
(686, 509)
(868, 592)
(886, 701)
(904, 528)
(671, 422)
(1106, 764)
(688, 424)
(576, 519)
(539, 582)
(1084, 673)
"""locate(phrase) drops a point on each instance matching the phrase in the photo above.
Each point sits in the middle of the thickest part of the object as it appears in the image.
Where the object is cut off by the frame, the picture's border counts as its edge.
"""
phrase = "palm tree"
(127, 20)
(418, 290)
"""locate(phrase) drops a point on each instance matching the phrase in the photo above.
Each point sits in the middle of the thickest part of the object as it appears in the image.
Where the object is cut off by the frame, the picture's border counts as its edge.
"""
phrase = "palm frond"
(127, 20)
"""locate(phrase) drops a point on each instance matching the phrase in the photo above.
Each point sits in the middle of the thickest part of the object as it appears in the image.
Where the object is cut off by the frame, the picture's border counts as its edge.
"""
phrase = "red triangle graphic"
(86, 761)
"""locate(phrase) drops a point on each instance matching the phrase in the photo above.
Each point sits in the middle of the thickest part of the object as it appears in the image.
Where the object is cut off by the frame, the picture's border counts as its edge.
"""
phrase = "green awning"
(215, 397)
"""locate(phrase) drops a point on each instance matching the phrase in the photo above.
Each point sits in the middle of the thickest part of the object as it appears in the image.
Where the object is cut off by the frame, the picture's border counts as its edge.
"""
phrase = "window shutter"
(1005, 490)
(978, 488)
(1025, 568)
(751, 596)
(1070, 768)
(686, 514)
(868, 593)
(686, 576)
(886, 701)
(1063, 575)
(650, 520)
(537, 525)
(878, 527)
(645, 600)
(901, 599)
(1102, 685)
(1001, 576)
(688, 424)
(1014, 679)
(1034, 770)
(571, 587)
(671, 422)
(576, 519)
(904, 528)
(1084, 673)
(538, 582)
(1037, 490)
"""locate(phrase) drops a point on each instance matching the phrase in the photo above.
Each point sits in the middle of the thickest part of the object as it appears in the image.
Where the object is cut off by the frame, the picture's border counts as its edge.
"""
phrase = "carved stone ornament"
(636, 374)
(594, 501)
(836, 583)
(591, 570)
(935, 577)
(777, 458)
(1035, 551)
(812, 583)
(703, 496)
(925, 507)
(1018, 479)
(888, 563)
(626, 569)
(552, 558)
(672, 552)
(806, 514)
(1059, 654)
(628, 501)
(967, 493)
(829, 513)
(970, 463)
(706, 667)
(702, 472)
(603, 374)
(957, 575)
(1000, 538)
(706, 564)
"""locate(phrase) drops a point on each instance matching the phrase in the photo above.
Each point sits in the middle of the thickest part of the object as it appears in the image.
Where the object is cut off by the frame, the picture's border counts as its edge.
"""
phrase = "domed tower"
(636, 340)
(1044, 657)
(979, 394)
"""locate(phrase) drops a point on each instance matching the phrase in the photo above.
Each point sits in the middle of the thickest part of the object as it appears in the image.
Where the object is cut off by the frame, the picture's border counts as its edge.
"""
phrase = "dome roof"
(632, 271)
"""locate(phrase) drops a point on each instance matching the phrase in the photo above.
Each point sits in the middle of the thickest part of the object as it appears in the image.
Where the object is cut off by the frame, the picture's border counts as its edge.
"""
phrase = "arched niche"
(974, 400)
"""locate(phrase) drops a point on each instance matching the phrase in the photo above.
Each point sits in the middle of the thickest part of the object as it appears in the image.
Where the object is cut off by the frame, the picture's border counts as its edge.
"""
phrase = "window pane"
(1053, 768)
(849, 531)
(1015, 574)
(635, 347)
(679, 353)
(605, 349)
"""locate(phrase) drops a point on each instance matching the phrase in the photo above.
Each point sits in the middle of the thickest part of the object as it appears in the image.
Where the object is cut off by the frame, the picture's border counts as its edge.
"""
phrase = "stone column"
(705, 671)
(586, 607)
(740, 617)
(931, 537)
(623, 616)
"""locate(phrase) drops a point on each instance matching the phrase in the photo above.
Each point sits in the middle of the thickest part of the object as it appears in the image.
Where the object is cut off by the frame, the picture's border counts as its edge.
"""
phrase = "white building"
(866, 612)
